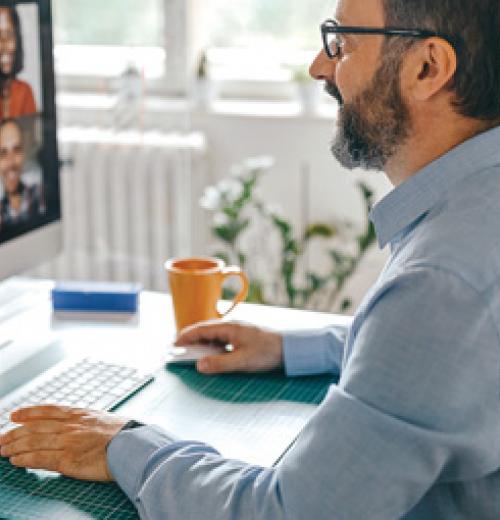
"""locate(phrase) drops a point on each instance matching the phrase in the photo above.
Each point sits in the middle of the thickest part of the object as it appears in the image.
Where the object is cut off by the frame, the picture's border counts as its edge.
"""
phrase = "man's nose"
(323, 68)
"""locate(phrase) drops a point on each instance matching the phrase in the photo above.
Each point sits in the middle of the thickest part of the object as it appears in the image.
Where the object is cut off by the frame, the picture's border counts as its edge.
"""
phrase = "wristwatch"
(131, 425)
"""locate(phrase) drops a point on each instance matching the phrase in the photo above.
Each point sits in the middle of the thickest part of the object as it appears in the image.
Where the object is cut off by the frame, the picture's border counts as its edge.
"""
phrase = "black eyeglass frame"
(332, 27)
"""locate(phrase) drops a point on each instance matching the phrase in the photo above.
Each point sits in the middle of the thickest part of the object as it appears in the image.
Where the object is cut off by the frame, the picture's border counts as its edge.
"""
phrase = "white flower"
(221, 219)
(262, 163)
(231, 188)
(211, 199)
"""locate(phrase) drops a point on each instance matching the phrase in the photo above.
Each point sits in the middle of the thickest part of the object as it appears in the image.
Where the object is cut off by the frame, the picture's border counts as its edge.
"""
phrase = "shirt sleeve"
(417, 405)
(314, 352)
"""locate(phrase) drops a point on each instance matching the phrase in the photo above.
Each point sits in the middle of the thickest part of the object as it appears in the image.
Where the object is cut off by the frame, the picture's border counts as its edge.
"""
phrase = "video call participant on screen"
(20, 202)
(16, 96)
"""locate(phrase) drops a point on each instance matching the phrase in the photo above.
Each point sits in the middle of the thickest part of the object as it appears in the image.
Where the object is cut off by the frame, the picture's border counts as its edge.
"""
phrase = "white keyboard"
(86, 384)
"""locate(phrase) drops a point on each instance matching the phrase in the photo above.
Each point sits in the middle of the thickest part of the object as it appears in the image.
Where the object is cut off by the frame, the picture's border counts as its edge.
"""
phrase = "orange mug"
(196, 287)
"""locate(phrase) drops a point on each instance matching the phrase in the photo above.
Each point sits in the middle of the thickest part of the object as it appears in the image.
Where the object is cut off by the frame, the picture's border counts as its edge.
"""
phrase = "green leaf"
(345, 305)
(282, 224)
(291, 248)
(247, 195)
(231, 212)
(255, 292)
(319, 230)
(366, 192)
(223, 233)
(366, 240)
(223, 256)
(230, 232)
(316, 282)
(242, 259)
(340, 259)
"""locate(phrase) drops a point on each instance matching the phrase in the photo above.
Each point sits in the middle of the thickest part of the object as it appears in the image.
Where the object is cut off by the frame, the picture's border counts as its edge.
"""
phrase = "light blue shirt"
(412, 430)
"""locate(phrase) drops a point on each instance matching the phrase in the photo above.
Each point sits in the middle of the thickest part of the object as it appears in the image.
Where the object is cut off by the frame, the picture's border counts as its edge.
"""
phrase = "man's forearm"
(165, 478)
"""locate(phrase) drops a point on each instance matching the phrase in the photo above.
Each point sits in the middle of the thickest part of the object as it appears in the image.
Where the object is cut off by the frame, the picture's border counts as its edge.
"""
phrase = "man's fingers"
(209, 331)
(30, 428)
(230, 362)
(32, 443)
(45, 412)
(49, 460)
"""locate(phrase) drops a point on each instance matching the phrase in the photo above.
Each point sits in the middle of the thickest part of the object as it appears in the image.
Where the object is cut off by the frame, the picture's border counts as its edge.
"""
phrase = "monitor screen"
(29, 180)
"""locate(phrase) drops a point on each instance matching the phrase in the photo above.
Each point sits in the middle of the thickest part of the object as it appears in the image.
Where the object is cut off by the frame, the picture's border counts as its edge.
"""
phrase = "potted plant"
(204, 92)
(273, 256)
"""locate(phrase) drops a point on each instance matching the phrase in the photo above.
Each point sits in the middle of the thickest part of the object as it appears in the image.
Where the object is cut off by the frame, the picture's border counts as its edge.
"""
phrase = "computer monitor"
(30, 208)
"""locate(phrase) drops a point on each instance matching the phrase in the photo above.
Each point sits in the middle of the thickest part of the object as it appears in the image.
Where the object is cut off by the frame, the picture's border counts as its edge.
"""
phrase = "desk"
(284, 405)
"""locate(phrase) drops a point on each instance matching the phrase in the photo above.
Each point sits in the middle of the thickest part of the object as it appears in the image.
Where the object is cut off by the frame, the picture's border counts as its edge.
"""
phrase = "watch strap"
(132, 425)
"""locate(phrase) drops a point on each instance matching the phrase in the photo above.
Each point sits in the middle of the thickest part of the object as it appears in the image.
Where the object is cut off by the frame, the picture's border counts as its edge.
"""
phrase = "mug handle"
(227, 272)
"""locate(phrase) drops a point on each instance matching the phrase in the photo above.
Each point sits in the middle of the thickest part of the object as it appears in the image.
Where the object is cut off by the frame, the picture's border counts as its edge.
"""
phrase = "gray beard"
(352, 147)
(374, 125)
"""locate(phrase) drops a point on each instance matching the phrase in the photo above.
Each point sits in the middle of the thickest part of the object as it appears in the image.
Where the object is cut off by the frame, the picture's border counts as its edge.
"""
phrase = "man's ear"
(429, 67)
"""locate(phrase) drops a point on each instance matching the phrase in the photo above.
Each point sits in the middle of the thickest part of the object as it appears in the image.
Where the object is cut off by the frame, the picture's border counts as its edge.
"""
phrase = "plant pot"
(203, 93)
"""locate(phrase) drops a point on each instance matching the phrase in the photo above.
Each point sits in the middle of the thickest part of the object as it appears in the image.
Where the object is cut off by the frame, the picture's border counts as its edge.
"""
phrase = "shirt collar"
(417, 195)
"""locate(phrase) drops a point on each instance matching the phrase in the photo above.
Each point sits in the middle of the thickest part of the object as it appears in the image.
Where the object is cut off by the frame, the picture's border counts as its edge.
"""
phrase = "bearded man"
(412, 430)
(20, 202)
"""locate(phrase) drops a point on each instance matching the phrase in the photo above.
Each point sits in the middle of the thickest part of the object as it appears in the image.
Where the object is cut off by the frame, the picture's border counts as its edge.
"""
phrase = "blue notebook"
(96, 296)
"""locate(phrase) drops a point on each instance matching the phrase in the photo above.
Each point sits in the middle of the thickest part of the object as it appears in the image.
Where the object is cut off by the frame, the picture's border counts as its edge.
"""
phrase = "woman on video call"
(16, 96)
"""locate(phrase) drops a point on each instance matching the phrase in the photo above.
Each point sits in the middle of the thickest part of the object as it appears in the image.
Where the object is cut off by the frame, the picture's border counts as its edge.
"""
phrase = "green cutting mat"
(34, 495)
(242, 388)
(43, 496)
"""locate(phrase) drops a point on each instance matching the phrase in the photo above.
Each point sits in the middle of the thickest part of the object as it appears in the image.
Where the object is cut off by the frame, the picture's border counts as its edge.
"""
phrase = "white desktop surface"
(142, 340)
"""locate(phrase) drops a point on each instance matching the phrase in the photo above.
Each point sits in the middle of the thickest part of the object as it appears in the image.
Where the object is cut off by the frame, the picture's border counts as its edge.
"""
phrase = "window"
(259, 39)
(104, 37)
(251, 43)
(109, 22)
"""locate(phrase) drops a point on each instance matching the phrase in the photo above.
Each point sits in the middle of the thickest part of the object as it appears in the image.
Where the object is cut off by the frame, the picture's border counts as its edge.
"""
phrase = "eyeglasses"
(333, 44)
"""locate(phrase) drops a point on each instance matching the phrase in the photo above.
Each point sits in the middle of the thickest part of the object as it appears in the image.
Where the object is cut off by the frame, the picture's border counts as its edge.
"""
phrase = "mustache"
(333, 91)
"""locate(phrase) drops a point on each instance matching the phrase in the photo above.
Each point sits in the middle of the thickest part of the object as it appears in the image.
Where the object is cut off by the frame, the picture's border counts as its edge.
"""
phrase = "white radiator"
(130, 201)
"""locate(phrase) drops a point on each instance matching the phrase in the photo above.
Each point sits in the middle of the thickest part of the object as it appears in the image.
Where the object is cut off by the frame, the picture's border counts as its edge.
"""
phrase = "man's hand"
(254, 349)
(67, 440)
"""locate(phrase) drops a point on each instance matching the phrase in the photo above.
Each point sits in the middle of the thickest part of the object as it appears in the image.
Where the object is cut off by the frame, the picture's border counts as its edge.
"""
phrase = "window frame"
(176, 58)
